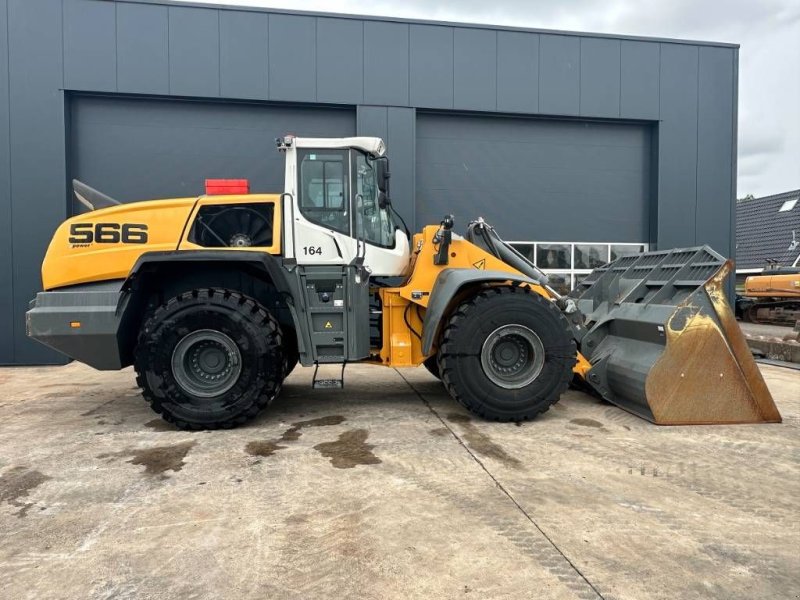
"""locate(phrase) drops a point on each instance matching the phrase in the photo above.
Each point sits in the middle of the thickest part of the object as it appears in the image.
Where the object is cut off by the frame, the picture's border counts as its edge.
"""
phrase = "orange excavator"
(772, 297)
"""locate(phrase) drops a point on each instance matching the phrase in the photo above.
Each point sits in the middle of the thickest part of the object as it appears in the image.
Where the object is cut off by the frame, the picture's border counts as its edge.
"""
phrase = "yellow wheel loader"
(215, 299)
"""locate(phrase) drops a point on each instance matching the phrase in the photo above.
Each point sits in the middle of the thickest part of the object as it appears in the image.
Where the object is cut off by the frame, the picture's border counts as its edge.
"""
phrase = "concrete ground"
(387, 489)
(770, 331)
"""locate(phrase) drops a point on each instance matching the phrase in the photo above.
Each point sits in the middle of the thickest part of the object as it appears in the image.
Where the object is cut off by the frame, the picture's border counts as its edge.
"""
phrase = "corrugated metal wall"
(535, 179)
(386, 68)
(139, 148)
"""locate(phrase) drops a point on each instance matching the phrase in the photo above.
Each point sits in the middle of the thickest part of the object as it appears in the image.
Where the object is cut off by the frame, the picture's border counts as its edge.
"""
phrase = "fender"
(281, 271)
(447, 285)
(277, 268)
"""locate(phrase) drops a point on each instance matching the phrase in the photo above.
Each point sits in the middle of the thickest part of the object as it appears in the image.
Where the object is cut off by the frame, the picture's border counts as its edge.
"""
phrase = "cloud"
(769, 61)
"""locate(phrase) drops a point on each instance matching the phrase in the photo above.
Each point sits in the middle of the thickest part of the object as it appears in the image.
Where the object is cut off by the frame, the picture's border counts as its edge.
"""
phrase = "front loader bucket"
(664, 344)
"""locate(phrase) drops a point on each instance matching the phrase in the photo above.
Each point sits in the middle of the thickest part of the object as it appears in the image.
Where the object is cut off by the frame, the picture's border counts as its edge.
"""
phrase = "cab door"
(323, 227)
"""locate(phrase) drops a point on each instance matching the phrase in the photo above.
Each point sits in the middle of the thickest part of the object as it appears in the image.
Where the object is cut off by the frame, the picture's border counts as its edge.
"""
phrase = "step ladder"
(321, 384)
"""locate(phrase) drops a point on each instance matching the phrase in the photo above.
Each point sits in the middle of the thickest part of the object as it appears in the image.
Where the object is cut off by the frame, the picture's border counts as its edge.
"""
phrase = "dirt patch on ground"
(482, 443)
(349, 450)
(65, 384)
(587, 423)
(440, 432)
(97, 409)
(159, 459)
(17, 483)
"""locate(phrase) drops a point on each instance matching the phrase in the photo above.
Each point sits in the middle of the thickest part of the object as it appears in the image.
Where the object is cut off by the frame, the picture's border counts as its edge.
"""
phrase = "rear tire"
(507, 354)
(290, 352)
(209, 359)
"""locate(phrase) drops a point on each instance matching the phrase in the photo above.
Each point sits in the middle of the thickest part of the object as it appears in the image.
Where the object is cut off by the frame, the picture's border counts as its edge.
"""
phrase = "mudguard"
(447, 285)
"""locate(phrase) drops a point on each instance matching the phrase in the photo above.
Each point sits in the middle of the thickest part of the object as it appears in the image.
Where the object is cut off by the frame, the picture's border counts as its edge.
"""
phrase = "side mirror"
(382, 165)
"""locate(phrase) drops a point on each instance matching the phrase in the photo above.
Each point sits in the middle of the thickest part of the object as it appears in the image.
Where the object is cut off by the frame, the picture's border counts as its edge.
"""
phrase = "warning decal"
(328, 325)
(481, 264)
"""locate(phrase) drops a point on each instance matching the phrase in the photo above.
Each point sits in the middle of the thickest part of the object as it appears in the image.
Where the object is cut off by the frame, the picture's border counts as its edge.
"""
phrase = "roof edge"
(777, 196)
(387, 19)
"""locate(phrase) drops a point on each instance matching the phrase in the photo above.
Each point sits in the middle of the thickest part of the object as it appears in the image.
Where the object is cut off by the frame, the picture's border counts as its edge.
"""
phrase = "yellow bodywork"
(71, 262)
(402, 346)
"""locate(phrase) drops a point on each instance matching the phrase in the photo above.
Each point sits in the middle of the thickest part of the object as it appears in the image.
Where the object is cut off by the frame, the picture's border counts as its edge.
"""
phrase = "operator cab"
(339, 230)
(337, 208)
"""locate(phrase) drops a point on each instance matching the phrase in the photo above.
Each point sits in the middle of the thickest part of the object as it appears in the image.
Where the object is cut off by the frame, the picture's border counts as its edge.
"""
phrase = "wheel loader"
(214, 300)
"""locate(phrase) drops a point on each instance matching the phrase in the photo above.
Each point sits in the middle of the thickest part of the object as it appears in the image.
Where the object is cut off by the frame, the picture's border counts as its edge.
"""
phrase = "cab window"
(373, 223)
(324, 190)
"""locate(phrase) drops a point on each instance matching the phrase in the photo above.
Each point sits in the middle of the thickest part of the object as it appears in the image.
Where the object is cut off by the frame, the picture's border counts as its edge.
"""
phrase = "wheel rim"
(206, 363)
(512, 356)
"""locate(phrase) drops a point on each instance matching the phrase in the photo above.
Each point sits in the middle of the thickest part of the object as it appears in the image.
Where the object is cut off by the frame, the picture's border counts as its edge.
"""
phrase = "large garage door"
(535, 179)
(135, 149)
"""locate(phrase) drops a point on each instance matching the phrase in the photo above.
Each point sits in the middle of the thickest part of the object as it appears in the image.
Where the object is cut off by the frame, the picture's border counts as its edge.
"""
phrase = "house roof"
(764, 232)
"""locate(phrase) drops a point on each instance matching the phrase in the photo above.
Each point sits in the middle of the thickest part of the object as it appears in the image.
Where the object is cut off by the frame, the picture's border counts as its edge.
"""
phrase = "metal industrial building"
(551, 136)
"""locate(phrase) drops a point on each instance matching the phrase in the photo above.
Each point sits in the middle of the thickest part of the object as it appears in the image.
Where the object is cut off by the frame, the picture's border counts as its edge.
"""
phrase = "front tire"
(432, 364)
(507, 354)
(209, 359)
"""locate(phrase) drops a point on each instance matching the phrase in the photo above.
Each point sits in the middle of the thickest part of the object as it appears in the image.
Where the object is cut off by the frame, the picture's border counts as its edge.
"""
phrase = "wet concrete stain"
(262, 448)
(159, 459)
(160, 425)
(269, 447)
(294, 432)
(482, 443)
(17, 483)
(440, 432)
(349, 450)
(587, 423)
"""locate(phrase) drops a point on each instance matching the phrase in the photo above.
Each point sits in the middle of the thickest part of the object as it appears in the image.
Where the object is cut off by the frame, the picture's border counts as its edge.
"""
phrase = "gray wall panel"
(559, 74)
(386, 69)
(373, 121)
(38, 189)
(517, 72)
(475, 69)
(136, 149)
(431, 67)
(90, 45)
(243, 54)
(639, 83)
(600, 71)
(715, 196)
(142, 49)
(292, 58)
(677, 167)
(7, 320)
(528, 176)
(401, 146)
(395, 126)
(340, 61)
(193, 51)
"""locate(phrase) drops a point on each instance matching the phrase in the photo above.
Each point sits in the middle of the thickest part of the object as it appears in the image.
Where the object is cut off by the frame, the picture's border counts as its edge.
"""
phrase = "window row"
(568, 263)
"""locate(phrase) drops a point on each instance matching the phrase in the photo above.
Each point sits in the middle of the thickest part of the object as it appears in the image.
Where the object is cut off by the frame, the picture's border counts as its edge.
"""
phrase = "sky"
(769, 58)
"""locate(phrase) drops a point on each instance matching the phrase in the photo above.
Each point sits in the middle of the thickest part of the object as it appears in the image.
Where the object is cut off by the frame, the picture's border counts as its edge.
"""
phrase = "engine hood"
(104, 244)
